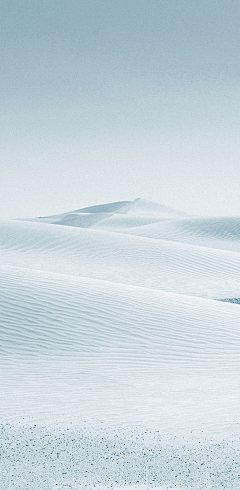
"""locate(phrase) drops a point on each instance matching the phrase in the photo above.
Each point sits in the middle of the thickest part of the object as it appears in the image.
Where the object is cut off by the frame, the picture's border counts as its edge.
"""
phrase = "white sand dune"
(53, 313)
(222, 233)
(118, 368)
(121, 258)
(115, 216)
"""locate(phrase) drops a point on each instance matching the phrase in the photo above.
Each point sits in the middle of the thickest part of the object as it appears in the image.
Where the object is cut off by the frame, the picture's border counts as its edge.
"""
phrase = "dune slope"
(118, 368)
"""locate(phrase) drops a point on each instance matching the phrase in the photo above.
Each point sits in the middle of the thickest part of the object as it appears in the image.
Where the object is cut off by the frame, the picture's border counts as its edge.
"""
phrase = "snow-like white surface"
(222, 233)
(118, 368)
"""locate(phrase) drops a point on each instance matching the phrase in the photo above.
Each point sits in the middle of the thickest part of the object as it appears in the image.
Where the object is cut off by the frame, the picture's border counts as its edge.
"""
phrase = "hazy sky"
(107, 100)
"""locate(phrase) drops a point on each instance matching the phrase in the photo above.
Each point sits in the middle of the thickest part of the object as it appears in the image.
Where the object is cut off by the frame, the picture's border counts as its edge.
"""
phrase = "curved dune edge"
(120, 258)
(43, 312)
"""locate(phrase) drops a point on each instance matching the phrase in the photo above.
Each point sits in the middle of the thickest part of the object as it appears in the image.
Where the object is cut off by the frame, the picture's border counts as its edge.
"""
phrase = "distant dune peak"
(115, 216)
(144, 207)
(136, 207)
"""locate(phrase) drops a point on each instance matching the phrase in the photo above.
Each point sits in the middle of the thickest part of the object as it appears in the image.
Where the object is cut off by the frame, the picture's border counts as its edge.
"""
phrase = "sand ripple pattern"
(121, 258)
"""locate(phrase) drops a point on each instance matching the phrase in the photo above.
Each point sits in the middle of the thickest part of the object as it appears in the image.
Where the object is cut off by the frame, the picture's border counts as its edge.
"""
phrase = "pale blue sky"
(106, 100)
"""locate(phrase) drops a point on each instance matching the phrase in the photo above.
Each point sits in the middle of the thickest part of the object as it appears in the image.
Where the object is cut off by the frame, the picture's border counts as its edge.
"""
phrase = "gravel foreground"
(53, 458)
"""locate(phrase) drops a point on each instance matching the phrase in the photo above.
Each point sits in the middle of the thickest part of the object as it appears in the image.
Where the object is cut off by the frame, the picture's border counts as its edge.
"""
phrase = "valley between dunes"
(120, 361)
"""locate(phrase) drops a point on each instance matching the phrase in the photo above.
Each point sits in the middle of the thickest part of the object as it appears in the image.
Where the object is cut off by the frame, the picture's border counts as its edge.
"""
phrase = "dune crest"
(116, 215)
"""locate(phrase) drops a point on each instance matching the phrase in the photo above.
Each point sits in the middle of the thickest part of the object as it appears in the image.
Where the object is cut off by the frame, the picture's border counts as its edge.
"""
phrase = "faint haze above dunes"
(104, 101)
